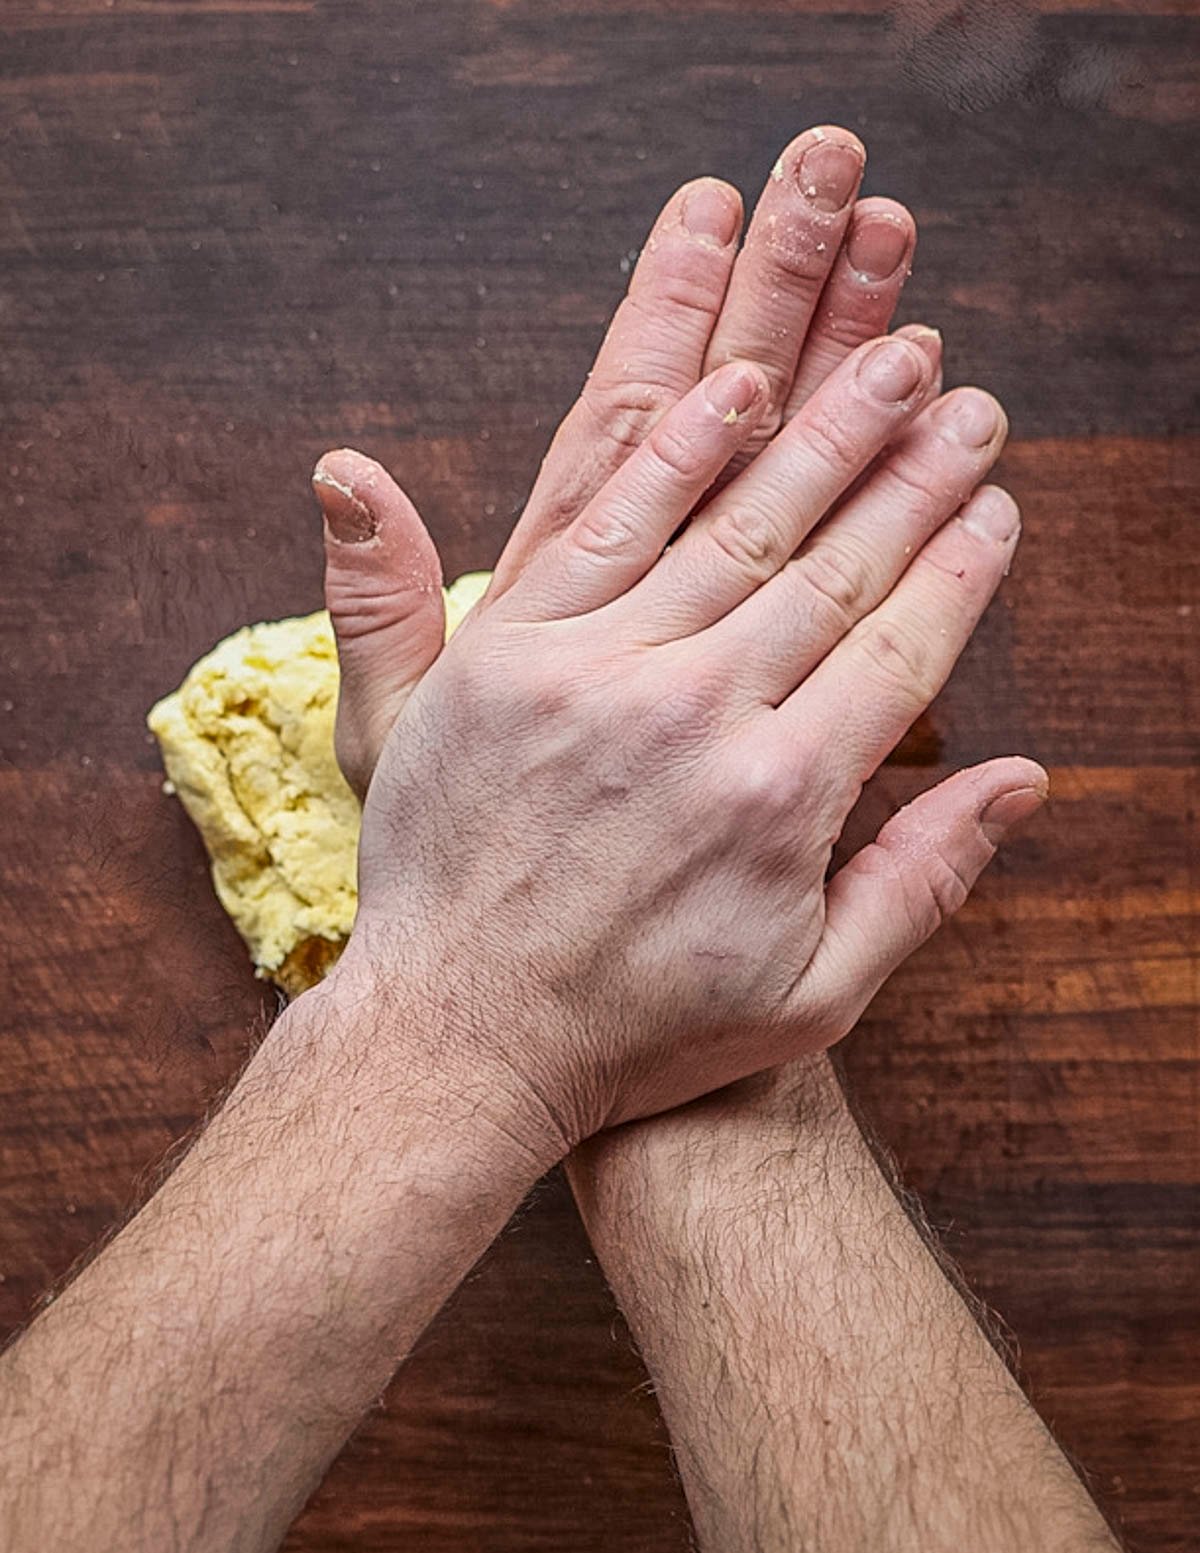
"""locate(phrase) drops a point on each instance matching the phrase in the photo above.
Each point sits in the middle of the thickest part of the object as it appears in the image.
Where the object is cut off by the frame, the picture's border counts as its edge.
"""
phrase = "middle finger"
(795, 235)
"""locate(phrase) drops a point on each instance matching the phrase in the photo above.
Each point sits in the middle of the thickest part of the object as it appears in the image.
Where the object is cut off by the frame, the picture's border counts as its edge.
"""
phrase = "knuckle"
(761, 783)
(901, 660)
(945, 890)
(525, 691)
(682, 454)
(837, 577)
(691, 281)
(842, 327)
(827, 435)
(370, 604)
(747, 539)
(916, 487)
(547, 695)
(683, 710)
(604, 532)
(799, 256)
(627, 410)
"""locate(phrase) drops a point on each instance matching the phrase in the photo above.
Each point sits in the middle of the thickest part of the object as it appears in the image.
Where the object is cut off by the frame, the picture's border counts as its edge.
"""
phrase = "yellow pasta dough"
(247, 742)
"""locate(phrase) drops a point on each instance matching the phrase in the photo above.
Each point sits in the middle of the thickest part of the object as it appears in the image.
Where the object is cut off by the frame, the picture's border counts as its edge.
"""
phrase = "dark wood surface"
(232, 234)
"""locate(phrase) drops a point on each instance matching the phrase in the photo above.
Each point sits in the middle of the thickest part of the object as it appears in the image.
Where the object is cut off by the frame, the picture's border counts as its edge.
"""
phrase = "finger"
(897, 892)
(621, 533)
(652, 356)
(853, 560)
(794, 237)
(860, 295)
(930, 341)
(887, 670)
(383, 589)
(743, 537)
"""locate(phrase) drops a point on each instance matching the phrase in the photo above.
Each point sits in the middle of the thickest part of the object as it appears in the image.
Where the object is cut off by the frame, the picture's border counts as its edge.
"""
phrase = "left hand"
(818, 274)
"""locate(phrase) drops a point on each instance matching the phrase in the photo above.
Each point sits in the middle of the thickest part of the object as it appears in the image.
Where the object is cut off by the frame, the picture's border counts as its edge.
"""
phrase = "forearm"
(824, 1384)
(189, 1388)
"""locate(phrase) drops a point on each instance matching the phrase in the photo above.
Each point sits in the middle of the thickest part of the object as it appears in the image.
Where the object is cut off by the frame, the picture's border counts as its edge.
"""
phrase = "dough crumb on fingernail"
(349, 519)
(731, 417)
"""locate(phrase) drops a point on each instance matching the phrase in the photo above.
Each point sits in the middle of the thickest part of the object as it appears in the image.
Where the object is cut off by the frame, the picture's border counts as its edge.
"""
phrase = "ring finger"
(860, 295)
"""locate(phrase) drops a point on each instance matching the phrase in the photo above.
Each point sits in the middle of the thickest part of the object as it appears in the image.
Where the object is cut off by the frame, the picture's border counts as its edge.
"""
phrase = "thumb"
(895, 893)
(383, 588)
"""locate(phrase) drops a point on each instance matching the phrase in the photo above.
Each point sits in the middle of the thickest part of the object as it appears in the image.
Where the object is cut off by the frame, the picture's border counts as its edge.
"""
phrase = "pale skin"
(592, 888)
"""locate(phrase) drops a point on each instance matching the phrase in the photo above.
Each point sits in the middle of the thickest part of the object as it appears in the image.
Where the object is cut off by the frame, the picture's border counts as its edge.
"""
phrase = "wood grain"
(233, 234)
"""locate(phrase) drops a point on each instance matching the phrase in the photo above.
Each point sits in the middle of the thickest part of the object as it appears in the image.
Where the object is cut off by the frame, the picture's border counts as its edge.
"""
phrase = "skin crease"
(587, 894)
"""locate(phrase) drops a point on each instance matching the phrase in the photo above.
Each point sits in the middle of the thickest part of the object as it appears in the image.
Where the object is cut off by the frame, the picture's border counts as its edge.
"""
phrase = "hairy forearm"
(189, 1388)
(824, 1384)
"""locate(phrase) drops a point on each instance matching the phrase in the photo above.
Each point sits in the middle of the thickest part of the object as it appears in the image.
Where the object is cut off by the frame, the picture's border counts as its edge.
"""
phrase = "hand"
(818, 274)
(681, 1207)
(390, 632)
(610, 805)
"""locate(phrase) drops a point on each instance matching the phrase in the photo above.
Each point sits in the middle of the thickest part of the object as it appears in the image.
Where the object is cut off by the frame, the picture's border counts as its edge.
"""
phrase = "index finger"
(650, 358)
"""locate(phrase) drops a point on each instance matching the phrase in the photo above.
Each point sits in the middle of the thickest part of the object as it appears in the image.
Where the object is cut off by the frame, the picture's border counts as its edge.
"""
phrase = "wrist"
(679, 1178)
(802, 1102)
(394, 1052)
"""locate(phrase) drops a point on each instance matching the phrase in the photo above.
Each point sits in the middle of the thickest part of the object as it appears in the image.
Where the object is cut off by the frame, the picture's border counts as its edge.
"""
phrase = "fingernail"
(969, 416)
(991, 514)
(829, 173)
(733, 391)
(1008, 810)
(876, 246)
(927, 340)
(891, 371)
(350, 520)
(711, 211)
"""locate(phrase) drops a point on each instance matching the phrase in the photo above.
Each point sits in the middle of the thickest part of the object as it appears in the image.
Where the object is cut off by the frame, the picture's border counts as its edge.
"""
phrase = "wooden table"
(233, 234)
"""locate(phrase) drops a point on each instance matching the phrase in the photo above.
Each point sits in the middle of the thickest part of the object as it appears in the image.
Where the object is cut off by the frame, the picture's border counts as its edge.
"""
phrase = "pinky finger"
(896, 893)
